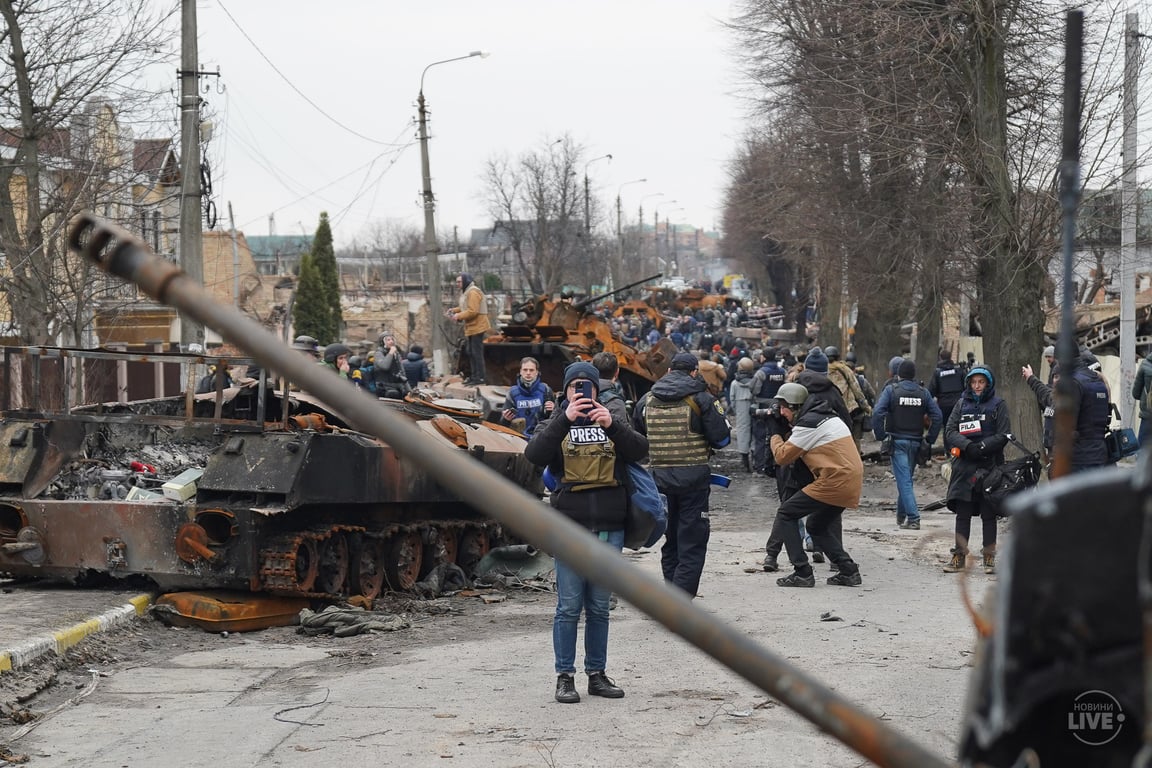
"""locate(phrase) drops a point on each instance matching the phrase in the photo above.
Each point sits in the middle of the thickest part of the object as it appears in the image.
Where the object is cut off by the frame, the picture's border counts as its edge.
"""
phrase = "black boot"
(744, 462)
(566, 690)
(600, 685)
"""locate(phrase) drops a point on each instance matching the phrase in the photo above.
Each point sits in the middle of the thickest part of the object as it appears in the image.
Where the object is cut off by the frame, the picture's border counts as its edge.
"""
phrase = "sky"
(651, 82)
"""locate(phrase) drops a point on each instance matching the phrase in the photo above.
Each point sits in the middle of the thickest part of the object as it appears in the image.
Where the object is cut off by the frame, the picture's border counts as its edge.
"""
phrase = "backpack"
(647, 509)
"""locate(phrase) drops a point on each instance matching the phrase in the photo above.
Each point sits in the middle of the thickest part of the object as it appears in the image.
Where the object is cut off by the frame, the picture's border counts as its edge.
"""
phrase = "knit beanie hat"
(685, 361)
(816, 361)
(906, 370)
(581, 370)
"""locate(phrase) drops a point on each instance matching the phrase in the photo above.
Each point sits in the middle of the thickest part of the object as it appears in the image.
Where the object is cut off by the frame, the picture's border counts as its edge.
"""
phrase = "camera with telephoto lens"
(773, 409)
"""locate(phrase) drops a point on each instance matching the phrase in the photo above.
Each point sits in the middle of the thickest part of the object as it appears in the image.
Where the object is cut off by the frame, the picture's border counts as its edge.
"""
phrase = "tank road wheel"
(405, 554)
(333, 564)
(307, 565)
(474, 544)
(369, 556)
(441, 548)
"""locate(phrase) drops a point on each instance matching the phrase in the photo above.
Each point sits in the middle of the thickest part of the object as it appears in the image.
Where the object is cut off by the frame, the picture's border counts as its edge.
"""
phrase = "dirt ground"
(898, 567)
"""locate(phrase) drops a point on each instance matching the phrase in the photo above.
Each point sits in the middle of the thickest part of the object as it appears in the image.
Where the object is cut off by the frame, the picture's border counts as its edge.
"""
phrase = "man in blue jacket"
(901, 413)
(529, 398)
(684, 425)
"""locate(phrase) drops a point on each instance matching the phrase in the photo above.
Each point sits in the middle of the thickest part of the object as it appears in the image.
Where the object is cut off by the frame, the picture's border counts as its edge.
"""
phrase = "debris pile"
(133, 473)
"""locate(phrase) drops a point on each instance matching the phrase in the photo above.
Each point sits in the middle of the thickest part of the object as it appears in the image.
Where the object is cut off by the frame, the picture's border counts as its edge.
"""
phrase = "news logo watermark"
(1095, 718)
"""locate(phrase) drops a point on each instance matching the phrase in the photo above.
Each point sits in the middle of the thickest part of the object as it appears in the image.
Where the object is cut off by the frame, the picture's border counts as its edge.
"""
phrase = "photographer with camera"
(823, 442)
(900, 415)
(586, 448)
(765, 384)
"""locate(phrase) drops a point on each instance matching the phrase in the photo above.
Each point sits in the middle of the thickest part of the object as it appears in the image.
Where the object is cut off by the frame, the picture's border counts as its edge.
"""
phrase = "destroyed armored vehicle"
(251, 487)
(561, 332)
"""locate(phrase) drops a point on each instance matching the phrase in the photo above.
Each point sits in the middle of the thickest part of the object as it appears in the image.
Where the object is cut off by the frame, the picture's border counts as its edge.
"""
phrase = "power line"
(293, 86)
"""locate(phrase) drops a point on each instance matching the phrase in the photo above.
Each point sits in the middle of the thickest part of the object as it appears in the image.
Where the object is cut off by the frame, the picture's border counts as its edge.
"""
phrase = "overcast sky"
(651, 82)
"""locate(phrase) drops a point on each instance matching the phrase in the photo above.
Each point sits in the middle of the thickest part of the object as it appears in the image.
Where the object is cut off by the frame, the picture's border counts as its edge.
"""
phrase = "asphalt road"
(472, 683)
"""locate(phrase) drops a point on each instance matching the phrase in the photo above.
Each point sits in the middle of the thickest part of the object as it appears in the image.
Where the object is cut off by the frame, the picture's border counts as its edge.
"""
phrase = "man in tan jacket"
(473, 312)
(809, 431)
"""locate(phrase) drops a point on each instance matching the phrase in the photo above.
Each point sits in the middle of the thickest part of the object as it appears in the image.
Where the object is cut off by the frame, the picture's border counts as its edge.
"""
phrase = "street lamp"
(587, 206)
(640, 212)
(619, 227)
(656, 230)
(431, 248)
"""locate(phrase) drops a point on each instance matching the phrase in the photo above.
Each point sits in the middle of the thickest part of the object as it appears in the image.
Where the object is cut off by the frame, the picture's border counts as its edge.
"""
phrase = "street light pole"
(656, 230)
(640, 216)
(587, 205)
(431, 247)
(620, 228)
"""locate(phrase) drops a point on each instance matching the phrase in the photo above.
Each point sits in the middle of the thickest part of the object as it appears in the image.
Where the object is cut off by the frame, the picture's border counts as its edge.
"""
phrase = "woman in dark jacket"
(976, 435)
(585, 449)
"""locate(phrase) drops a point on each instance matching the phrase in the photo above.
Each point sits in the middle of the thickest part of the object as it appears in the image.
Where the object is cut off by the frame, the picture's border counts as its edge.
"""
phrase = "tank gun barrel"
(121, 253)
(621, 289)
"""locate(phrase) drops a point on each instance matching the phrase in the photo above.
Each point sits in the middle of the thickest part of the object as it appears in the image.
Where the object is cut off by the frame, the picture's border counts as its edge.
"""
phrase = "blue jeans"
(903, 460)
(574, 594)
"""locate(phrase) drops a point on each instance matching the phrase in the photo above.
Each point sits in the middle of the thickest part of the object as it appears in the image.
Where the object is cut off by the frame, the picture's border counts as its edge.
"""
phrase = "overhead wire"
(292, 85)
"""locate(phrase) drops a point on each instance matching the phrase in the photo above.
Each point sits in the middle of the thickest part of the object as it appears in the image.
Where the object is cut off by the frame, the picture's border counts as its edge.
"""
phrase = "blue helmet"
(986, 373)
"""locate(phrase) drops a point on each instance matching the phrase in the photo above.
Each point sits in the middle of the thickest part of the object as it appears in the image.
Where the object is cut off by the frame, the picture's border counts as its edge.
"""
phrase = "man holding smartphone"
(684, 425)
(586, 449)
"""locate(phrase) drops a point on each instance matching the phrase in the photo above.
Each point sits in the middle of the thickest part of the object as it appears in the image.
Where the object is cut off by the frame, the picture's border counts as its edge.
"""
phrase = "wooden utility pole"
(191, 251)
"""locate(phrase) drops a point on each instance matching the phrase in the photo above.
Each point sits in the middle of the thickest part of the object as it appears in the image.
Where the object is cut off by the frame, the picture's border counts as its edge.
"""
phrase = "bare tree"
(62, 149)
(916, 143)
(395, 251)
(536, 200)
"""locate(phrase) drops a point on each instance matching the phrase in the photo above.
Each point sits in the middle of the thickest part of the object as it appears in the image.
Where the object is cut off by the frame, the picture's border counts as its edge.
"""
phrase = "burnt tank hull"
(302, 506)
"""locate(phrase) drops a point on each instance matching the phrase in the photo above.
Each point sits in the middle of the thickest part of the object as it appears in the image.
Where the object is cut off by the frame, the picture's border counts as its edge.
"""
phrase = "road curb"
(58, 642)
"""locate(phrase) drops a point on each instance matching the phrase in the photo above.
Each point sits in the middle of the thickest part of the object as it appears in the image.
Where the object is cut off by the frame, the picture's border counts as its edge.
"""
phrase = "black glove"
(974, 451)
(774, 425)
(923, 453)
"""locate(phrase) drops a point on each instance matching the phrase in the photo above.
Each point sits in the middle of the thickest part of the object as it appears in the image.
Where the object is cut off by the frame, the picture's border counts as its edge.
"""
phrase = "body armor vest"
(589, 459)
(1095, 410)
(906, 414)
(951, 380)
(671, 441)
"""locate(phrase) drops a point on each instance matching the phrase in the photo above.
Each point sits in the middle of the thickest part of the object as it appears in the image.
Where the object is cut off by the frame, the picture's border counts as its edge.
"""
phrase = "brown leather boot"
(990, 559)
(956, 564)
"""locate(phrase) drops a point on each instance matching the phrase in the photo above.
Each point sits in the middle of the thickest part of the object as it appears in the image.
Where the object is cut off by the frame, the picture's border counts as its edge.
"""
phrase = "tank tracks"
(342, 560)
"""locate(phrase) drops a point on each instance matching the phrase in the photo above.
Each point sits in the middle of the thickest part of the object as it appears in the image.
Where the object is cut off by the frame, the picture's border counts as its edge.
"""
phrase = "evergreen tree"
(311, 314)
(324, 259)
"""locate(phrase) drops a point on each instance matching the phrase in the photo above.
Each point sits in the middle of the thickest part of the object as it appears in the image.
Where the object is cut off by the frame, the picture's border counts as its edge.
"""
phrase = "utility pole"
(235, 258)
(191, 250)
(1129, 195)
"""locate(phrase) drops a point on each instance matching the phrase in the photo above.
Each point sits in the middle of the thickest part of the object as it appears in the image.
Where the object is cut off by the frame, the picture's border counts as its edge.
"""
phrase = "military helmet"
(333, 351)
(831, 352)
(792, 393)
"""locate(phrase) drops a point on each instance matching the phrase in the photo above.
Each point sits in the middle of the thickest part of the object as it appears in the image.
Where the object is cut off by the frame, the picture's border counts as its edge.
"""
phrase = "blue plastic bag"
(647, 509)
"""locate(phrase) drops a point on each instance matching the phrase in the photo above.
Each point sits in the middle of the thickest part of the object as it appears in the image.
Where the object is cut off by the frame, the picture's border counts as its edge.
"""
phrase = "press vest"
(671, 441)
(951, 380)
(974, 419)
(589, 459)
(1095, 411)
(906, 411)
(773, 376)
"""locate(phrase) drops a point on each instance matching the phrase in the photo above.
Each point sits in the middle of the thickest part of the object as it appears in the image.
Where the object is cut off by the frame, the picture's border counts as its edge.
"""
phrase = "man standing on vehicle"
(684, 424)
(473, 312)
(900, 413)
